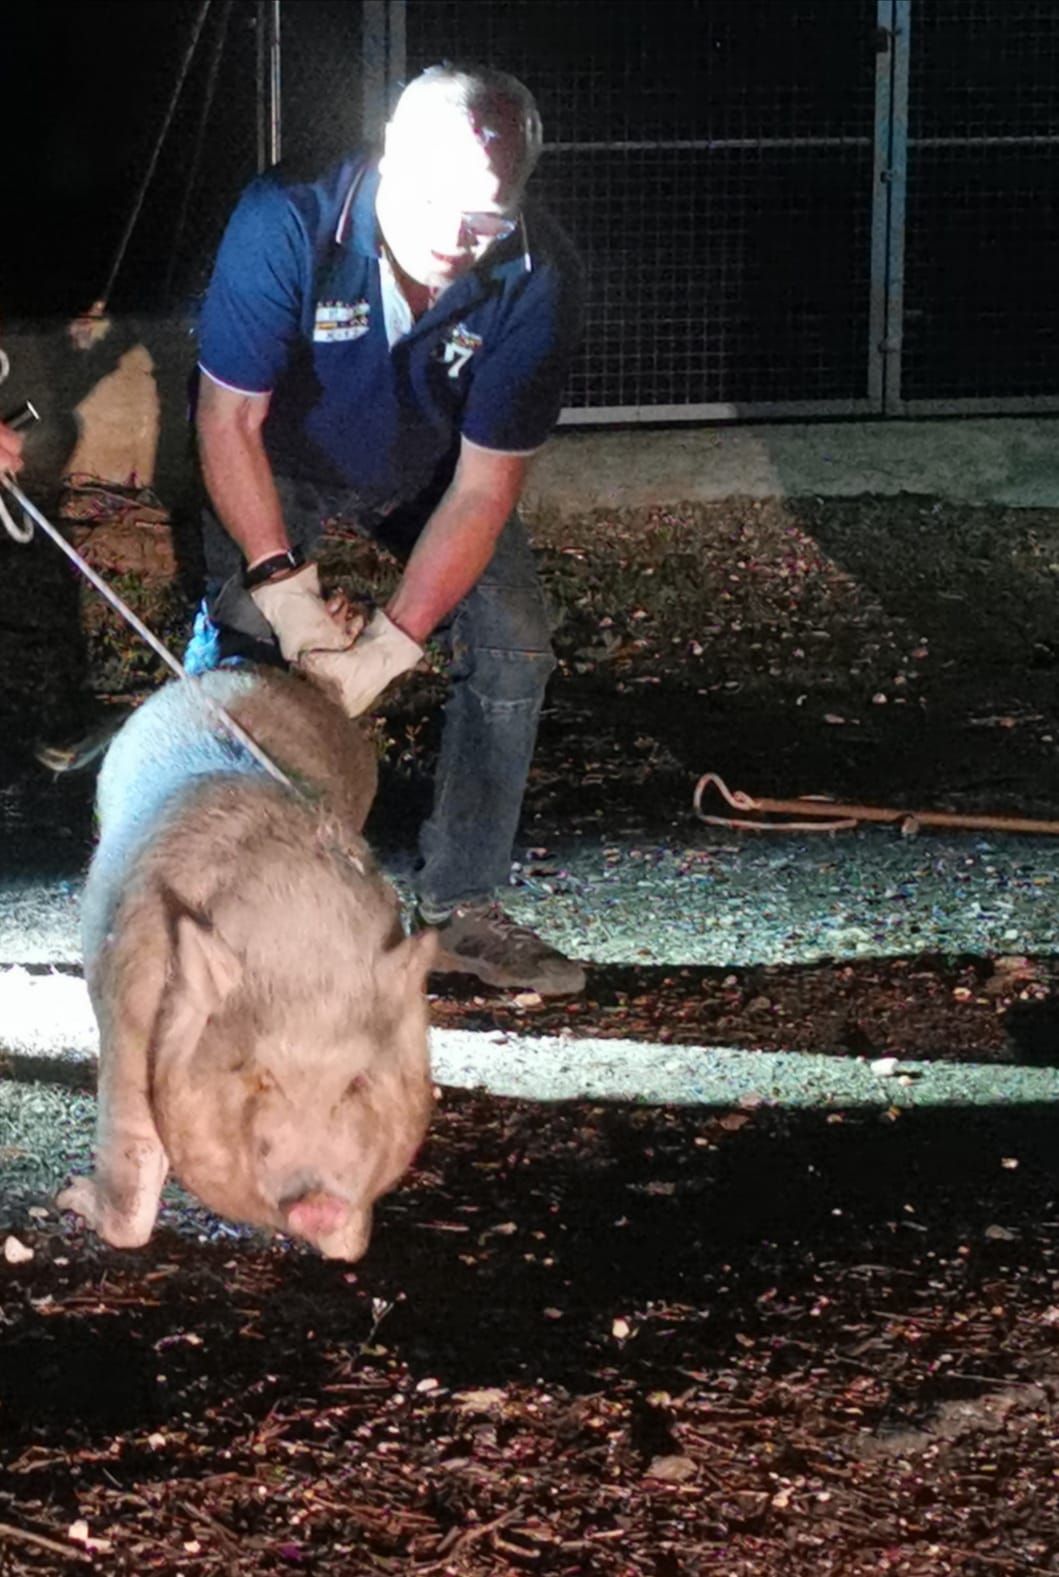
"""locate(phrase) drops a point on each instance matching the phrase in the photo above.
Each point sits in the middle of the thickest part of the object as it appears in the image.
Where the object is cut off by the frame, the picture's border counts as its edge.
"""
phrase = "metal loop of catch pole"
(24, 533)
(741, 801)
(18, 533)
(838, 817)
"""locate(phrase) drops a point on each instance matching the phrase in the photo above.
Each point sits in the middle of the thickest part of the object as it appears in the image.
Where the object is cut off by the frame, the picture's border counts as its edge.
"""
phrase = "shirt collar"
(357, 227)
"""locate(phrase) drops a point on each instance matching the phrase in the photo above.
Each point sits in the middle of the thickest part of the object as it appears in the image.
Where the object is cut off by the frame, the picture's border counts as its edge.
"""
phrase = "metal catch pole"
(825, 815)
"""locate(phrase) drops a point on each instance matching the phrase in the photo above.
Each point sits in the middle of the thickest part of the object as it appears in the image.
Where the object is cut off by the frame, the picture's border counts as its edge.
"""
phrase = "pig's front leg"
(120, 1201)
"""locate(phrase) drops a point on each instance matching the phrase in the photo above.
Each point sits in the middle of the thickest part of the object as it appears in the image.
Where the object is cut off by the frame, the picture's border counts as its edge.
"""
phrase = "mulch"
(933, 1005)
(586, 1339)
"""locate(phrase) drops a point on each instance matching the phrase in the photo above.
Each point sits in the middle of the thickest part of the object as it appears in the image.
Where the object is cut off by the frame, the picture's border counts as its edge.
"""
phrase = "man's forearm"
(240, 484)
(455, 547)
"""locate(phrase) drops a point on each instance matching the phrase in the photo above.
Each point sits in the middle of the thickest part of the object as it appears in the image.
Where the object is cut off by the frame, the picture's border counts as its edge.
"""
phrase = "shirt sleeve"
(516, 396)
(252, 311)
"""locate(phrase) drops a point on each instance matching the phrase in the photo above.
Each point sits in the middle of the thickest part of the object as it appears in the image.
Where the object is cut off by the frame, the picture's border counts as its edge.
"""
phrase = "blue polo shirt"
(294, 309)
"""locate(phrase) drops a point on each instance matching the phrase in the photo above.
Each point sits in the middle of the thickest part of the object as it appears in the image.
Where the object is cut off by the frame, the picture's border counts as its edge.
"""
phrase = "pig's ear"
(206, 970)
(408, 964)
(203, 971)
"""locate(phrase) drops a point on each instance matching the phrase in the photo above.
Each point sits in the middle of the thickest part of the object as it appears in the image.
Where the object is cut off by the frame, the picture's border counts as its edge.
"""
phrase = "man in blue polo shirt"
(388, 344)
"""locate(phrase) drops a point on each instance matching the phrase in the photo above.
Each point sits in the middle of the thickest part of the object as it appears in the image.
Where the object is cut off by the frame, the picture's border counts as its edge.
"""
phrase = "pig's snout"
(315, 1215)
(331, 1224)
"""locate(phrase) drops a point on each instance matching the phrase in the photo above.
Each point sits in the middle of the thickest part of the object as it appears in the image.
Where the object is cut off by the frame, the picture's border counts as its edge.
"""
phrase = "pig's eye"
(355, 1087)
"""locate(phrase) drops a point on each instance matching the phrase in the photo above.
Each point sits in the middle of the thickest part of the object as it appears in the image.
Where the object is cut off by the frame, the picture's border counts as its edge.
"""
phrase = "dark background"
(86, 88)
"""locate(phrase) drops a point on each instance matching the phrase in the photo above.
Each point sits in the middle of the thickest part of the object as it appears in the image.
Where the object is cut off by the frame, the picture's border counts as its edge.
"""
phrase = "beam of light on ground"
(49, 1016)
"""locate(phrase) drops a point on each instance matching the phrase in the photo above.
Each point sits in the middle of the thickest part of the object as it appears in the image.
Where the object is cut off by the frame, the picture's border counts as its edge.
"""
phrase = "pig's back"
(172, 739)
(176, 738)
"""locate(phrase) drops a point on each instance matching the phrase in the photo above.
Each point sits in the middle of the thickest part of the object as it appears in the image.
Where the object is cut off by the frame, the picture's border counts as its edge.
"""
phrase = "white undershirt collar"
(396, 313)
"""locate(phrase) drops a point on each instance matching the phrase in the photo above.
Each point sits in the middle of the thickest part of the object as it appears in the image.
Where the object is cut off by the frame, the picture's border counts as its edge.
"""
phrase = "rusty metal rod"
(829, 816)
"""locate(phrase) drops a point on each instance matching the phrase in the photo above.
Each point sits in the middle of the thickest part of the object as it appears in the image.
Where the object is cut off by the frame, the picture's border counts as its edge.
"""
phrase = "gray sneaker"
(480, 939)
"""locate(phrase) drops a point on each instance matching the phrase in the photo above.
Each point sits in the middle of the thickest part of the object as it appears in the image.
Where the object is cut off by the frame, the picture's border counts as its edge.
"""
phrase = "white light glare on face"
(441, 202)
(483, 227)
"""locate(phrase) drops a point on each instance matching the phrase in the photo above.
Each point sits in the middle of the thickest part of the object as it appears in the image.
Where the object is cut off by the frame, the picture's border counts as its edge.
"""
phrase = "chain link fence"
(980, 318)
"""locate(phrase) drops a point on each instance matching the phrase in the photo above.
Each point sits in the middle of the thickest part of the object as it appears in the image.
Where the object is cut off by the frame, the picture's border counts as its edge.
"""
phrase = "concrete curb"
(995, 460)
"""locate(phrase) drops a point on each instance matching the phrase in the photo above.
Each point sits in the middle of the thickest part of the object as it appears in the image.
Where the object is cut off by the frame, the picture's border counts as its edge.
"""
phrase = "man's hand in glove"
(349, 616)
(356, 677)
(318, 638)
(297, 613)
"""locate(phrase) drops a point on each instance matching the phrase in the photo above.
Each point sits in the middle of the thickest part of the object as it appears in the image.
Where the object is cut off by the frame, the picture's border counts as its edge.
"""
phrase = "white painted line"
(49, 1016)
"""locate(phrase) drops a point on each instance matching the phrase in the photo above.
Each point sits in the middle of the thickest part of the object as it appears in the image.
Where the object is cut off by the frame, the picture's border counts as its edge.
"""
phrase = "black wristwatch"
(275, 564)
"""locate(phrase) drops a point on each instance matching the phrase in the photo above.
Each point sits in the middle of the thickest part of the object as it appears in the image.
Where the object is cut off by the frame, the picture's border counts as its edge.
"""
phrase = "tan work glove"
(298, 614)
(356, 677)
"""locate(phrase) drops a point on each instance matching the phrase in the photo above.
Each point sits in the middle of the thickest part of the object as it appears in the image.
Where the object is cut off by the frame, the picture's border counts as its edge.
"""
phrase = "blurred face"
(441, 204)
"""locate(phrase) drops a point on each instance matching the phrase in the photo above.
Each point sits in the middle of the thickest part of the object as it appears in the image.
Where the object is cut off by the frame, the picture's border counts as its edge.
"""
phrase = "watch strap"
(275, 564)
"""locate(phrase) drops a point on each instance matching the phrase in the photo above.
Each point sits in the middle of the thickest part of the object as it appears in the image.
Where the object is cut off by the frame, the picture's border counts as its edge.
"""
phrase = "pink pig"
(262, 1017)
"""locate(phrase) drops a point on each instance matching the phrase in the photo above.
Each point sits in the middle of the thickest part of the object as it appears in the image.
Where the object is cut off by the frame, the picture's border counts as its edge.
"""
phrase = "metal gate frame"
(903, 148)
(385, 64)
(888, 204)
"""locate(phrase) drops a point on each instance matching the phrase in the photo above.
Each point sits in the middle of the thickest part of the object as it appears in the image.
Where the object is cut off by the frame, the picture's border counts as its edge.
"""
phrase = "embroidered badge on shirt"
(457, 348)
(341, 320)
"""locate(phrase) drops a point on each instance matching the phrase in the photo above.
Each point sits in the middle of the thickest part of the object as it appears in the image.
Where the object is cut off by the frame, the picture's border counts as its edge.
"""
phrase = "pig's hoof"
(80, 1197)
(83, 1198)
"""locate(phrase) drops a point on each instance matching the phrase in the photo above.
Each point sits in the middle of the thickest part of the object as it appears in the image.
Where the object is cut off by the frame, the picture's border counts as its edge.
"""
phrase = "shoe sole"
(452, 964)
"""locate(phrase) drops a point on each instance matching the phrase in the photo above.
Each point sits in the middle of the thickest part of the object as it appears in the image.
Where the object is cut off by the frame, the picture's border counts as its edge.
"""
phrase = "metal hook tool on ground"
(825, 815)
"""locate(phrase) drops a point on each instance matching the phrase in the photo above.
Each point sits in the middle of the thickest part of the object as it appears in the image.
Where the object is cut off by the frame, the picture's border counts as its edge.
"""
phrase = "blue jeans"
(498, 641)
